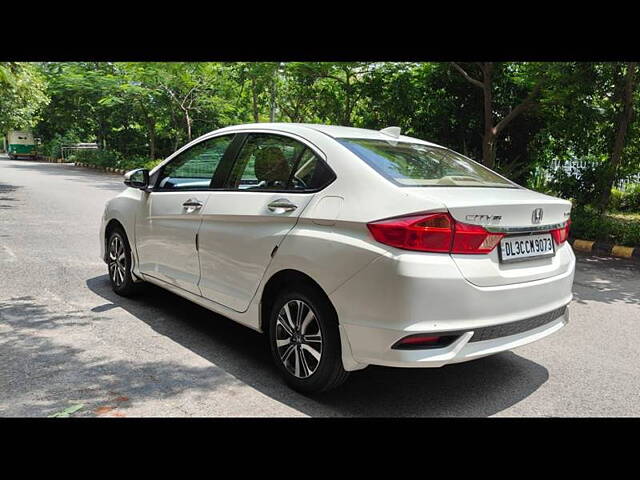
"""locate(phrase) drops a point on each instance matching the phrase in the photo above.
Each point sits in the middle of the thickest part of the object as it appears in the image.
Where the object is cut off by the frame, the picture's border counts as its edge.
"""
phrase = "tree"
(261, 78)
(336, 88)
(533, 113)
(589, 117)
(493, 129)
(625, 88)
(296, 93)
(22, 95)
(75, 89)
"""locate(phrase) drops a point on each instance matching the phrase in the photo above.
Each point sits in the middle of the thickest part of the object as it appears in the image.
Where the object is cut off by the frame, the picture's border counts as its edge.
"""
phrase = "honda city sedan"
(346, 247)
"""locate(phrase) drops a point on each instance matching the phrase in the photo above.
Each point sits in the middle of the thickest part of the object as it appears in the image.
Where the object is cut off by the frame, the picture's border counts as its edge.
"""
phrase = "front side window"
(417, 165)
(272, 162)
(194, 168)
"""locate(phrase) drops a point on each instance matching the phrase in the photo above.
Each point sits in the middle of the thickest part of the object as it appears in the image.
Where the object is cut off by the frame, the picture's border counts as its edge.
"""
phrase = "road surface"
(69, 346)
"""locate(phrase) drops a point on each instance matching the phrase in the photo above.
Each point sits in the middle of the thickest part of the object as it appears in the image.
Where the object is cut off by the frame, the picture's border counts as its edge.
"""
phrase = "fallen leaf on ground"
(101, 410)
(67, 411)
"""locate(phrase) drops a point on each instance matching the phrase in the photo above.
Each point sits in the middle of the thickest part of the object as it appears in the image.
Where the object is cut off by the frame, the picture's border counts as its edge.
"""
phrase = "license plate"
(525, 247)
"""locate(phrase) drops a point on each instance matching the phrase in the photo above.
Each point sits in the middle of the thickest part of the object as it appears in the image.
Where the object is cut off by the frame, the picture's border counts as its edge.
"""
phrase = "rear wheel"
(119, 263)
(305, 341)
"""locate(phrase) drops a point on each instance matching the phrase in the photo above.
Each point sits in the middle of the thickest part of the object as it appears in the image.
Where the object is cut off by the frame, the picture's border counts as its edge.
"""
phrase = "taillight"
(474, 239)
(436, 232)
(430, 233)
(560, 235)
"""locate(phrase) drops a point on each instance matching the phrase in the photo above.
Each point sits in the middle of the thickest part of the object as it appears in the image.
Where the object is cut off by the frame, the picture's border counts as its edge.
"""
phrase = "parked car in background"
(20, 143)
(347, 247)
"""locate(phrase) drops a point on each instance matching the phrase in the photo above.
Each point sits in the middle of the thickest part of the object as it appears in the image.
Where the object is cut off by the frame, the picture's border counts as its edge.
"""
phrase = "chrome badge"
(484, 219)
(536, 216)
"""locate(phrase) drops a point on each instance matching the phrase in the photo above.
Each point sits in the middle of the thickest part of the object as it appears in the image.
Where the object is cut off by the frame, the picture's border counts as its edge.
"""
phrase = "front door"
(166, 231)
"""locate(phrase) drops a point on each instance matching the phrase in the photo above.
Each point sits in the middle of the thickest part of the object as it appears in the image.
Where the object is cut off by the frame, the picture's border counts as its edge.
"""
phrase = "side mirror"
(138, 178)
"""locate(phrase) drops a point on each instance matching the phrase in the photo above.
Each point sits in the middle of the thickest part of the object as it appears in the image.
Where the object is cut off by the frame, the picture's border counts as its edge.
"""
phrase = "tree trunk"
(151, 125)
(254, 94)
(491, 131)
(488, 149)
(272, 111)
(624, 120)
(489, 139)
(187, 119)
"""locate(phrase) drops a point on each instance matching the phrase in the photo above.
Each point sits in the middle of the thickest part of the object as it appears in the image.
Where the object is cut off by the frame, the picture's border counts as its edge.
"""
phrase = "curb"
(117, 171)
(605, 248)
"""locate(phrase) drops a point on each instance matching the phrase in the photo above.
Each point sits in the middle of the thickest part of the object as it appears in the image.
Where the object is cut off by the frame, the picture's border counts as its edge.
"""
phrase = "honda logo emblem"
(536, 216)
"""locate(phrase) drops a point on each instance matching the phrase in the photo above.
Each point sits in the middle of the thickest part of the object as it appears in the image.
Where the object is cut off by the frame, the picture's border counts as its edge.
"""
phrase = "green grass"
(625, 216)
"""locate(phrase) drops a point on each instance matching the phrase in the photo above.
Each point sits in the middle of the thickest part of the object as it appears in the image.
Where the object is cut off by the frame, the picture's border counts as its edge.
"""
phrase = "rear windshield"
(417, 165)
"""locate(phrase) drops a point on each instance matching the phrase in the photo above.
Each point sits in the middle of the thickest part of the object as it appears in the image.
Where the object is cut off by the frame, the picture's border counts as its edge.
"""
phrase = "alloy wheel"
(117, 261)
(298, 339)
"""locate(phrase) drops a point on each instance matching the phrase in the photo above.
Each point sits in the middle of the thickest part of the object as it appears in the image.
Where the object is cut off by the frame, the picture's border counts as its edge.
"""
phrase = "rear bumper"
(378, 352)
(400, 295)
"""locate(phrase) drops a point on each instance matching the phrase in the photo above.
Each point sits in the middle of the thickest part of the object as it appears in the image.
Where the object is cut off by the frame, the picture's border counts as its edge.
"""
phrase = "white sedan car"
(347, 247)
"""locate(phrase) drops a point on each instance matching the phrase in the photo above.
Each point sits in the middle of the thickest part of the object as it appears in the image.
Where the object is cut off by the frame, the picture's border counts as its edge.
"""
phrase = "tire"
(119, 265)
(297, 360)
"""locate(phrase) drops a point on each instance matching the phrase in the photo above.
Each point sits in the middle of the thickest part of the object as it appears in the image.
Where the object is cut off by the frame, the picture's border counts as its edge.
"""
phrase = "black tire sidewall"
(331, 359)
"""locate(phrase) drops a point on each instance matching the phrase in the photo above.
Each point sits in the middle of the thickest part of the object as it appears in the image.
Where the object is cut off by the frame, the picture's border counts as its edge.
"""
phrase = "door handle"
(281, 205)
(192, 204)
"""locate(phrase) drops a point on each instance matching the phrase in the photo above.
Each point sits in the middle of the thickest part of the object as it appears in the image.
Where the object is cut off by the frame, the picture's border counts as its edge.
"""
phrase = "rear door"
(166, 232)
(271, 182)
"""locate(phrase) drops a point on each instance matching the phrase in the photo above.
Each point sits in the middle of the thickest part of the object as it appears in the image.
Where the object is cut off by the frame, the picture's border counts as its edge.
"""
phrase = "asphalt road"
(68, 343)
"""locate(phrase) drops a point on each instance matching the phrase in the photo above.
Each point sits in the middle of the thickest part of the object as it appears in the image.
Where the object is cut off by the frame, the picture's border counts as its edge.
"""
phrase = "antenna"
(391, 131)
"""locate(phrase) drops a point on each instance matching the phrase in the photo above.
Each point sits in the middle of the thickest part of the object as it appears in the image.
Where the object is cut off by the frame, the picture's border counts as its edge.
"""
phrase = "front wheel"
(305, 341)
(119, 263)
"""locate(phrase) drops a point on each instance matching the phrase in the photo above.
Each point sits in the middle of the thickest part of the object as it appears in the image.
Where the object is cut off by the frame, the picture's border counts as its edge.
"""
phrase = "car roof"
(334, 131)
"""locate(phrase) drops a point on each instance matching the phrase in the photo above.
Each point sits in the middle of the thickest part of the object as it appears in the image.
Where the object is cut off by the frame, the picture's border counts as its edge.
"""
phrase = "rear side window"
(272, 162)
(418, 165)
(194, 168)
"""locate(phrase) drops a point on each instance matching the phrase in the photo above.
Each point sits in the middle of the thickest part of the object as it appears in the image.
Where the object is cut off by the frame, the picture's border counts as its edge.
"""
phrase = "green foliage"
(627, 200)
(589, 225)
(53, 146)
(22, 95)
(615, 201)
(539, 182)
(146, 110)
(580, 184)
(110, 158)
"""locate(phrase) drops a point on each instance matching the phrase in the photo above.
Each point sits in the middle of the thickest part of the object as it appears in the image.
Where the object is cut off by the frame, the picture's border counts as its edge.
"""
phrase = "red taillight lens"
(436, 232)
(430, 233)
(474, 239)
(560, 235)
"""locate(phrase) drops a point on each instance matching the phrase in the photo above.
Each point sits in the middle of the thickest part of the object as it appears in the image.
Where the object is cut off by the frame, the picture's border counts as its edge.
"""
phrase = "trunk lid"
(508, 209)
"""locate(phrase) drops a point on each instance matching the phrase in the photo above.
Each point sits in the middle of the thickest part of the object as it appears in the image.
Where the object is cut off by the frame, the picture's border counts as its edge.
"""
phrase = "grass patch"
(625, 216)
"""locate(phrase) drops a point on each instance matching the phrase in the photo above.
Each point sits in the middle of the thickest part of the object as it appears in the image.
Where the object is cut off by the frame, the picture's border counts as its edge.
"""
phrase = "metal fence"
(573, 167)
(73, 147)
